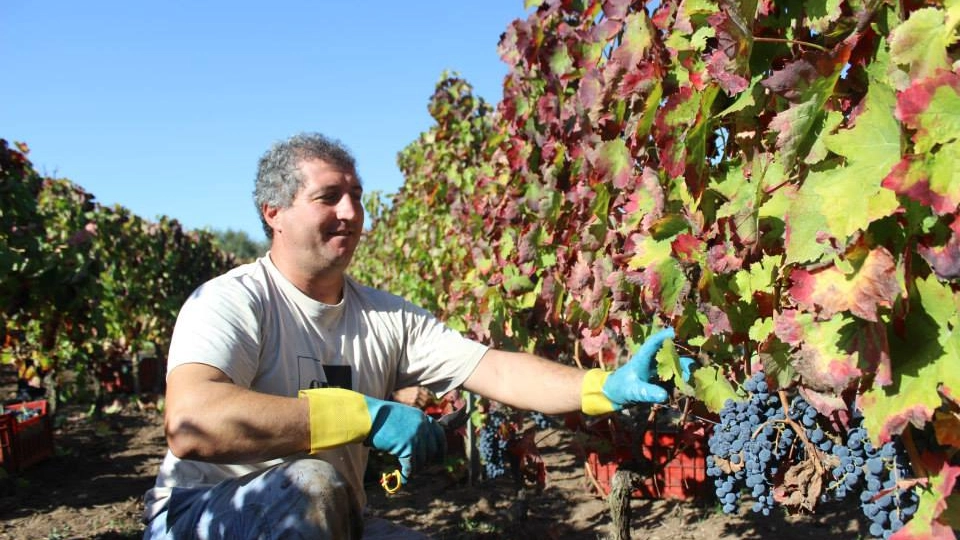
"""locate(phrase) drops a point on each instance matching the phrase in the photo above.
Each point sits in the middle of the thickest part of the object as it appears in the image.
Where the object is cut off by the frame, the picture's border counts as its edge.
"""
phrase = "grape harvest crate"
(23, 444)
(674, 465)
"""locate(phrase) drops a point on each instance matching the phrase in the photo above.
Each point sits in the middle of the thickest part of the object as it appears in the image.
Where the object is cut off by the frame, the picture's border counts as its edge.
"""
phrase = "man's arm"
(208, 417)
(529, 382)
(526, 381)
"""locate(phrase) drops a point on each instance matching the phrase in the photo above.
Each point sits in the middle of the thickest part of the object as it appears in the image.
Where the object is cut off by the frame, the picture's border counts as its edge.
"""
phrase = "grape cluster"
(877, 473)
(492, 445)
(746, 447)
(754, 440)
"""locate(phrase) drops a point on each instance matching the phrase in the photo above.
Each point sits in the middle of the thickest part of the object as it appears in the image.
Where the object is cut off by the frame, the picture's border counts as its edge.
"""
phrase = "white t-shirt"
(266, 335)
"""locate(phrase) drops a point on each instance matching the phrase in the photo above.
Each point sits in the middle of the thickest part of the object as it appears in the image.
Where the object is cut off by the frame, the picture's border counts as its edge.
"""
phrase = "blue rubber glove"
(605, 391)
(414, 438)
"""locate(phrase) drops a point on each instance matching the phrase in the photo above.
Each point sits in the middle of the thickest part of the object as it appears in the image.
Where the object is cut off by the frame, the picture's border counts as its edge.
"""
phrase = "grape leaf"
(945, 259)
(636, 40)
(874, 140)
(925, 523)
(805, 224)
(831, 290)
(820, 358)
(921, 42)
(808, 83)
(759, 277)
(924, 363)
(871, 148)
(612, 160)
(663, 277)
(930, 178)
(931, 107)
(712, 388)
(820, 14)
(946, 426)
(669, 368)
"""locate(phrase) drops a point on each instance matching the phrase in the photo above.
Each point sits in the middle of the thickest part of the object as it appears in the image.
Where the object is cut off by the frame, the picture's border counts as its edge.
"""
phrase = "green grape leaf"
(921, 43)
(759, 277)
(831, 290)
(514, 282)
(939, 301)
(821, 14)
(805, 223)
(712, 388)
(669, 368)
(761, 329)
(874, 140)
(924, 360)
(560, 61)
(872, 148)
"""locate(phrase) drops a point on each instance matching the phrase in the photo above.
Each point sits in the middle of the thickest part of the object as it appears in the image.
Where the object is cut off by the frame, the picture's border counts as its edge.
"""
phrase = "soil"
(93, 486)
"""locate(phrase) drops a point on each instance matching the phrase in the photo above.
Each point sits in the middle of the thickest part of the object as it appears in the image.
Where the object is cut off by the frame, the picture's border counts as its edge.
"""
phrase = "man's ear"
(270, 215)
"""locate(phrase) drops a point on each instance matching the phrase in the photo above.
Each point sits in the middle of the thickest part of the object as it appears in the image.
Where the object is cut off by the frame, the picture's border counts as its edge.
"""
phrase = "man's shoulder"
(248, 279)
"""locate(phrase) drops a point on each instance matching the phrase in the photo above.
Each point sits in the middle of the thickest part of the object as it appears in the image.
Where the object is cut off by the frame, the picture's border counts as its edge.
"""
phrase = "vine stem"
(791, 42)
(801, 432)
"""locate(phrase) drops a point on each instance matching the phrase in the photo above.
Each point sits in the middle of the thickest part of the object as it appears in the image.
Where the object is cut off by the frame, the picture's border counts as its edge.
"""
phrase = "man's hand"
(604, 392)
(339, 416)
(414, 396)
(407, 433)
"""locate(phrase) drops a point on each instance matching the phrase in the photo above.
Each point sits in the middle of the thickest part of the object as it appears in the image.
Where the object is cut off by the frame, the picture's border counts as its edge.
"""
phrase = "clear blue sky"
(164, 107)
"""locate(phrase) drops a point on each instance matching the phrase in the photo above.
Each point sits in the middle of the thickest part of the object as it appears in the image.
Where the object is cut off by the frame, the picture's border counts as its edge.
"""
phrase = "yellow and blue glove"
(608, 391)
(339, 417)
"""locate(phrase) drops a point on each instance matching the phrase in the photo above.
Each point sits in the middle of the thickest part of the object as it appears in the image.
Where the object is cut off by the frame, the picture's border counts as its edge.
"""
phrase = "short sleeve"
(219, 325)
(436, 356)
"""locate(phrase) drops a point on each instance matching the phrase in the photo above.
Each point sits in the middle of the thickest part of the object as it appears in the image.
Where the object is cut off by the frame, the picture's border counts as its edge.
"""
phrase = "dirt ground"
(92, 488)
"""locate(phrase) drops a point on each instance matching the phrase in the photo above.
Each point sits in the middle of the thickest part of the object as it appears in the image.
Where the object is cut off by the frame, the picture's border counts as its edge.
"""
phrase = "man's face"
(322, 227)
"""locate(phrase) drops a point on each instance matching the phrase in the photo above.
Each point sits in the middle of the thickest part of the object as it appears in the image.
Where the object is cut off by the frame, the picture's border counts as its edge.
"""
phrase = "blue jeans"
(306, 499)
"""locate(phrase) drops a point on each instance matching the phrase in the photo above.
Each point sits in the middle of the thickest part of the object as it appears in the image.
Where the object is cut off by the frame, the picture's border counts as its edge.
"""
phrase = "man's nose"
(348, 208)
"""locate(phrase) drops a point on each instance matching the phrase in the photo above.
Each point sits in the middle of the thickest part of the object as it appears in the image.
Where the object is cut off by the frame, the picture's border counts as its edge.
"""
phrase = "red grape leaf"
(831, 290)
(820, 359)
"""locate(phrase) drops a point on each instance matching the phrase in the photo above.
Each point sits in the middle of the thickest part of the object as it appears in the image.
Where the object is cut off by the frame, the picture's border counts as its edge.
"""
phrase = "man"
(279, 372)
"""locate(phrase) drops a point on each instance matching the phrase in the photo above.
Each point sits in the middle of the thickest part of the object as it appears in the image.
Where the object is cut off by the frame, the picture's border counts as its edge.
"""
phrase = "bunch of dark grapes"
(492, 444)
(754, 440)
(878, 474)
(746, 447)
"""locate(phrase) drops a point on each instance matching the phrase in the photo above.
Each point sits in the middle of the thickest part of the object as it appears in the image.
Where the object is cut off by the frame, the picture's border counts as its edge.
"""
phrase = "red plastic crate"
(23, 444)
(676, 461)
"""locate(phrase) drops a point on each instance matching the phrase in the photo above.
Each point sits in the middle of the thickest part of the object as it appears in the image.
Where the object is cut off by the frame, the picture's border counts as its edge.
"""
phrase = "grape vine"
(773, 179)
(88, 284)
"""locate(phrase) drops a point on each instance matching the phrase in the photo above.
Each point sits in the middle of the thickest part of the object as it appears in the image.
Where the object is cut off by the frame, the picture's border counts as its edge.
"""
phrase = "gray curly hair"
(278, 174)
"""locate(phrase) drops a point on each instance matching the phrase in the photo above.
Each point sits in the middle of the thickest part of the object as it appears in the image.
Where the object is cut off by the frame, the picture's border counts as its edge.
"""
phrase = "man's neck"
(326, 287)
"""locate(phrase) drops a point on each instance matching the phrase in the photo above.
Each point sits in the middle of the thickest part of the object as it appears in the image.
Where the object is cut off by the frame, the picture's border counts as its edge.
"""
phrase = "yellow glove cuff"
(592, 400)
(337, 417)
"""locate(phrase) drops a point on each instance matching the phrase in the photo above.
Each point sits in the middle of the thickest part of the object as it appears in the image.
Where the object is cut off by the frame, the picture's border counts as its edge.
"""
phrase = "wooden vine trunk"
(619, 502)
